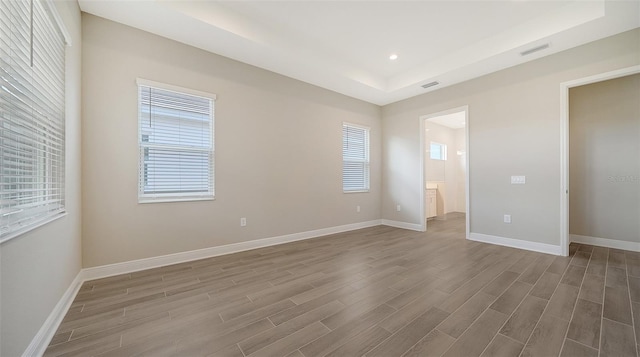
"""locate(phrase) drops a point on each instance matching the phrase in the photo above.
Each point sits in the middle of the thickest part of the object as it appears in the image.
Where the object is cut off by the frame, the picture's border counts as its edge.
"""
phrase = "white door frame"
(564, 144)
(423, 179)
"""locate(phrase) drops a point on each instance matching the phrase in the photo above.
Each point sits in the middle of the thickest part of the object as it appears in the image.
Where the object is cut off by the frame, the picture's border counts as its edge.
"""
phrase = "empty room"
(319, 178)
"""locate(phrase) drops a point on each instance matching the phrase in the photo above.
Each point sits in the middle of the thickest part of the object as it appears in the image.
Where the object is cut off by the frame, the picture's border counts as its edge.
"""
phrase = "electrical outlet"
(398, 208)
(243, 222)
(507, 218)
(357, 208)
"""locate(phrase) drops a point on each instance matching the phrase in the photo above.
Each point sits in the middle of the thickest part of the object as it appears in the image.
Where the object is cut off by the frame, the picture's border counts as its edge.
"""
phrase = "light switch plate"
(518, 180)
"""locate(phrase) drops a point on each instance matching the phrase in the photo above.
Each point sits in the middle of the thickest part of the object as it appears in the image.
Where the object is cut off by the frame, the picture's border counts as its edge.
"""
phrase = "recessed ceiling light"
(393, 57)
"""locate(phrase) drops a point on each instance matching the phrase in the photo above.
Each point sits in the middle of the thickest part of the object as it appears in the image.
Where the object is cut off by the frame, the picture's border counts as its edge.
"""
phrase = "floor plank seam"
(512, 312)
(633, 322)
(511, 338)
(618, 322)
(604, 292)
(251, 289)
(547, 306)
(578, 342)
(483, 311)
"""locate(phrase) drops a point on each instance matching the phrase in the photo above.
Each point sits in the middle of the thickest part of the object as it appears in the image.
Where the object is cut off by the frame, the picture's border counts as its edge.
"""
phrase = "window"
(175, 138)
(438, 151)
(355, 158)
(32, 116)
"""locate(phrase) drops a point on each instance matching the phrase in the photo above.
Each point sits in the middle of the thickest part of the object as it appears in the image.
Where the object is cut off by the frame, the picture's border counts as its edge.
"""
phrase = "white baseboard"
(41, 340)
(163, 260)
(403, 225)
(517, 243)
(605, 242)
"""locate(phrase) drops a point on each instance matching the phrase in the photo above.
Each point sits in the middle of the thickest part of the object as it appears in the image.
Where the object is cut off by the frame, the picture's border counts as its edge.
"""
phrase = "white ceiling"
(344, 46)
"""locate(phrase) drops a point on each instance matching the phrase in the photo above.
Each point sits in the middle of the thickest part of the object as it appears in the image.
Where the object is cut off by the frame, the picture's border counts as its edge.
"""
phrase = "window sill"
(145, 200)
(358, 191)
(31, 227)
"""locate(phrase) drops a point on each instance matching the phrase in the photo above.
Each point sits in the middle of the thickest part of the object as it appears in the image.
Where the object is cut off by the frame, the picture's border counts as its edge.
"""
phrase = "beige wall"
(39, 266)
(278, 150)
(604, 161)
(278, 158)
(514, 125)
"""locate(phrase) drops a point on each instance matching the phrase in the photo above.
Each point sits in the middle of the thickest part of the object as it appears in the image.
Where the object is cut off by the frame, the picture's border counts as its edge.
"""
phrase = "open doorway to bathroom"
(445, 161)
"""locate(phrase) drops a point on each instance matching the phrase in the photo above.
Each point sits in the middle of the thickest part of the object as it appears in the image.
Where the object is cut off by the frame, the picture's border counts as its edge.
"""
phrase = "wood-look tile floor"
(378, 291)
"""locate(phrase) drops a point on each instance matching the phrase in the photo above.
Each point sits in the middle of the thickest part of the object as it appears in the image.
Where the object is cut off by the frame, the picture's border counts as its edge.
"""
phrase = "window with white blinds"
(32, 116)
(355, 158)
(176, 143)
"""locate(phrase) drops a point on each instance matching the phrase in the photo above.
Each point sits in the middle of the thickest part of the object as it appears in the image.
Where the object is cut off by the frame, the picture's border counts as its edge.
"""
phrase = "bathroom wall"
(449, 174)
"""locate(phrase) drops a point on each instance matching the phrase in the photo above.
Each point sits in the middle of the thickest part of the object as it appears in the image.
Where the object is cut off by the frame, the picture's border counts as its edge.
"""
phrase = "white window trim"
(178, 197)
(58, 19)
(171, 87)
(368, 154)
(33, 226)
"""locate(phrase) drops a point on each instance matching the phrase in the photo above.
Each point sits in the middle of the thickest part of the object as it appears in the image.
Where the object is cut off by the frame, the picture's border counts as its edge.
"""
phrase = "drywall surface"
(514, 129)
(460, 161)
(278, 150)
(39, 266)
(604, 159)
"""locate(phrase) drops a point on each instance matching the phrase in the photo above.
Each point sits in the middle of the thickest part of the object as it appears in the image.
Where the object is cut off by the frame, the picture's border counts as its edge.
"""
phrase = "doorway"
(445, 162)
(606, 178)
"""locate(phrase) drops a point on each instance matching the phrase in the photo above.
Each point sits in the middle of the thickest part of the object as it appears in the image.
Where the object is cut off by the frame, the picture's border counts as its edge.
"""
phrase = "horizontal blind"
(355, 158)
(176, 145)
(32, 117)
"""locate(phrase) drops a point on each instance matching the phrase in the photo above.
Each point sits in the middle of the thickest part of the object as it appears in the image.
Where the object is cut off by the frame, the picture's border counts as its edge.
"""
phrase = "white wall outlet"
(518, 180)
(357, 208)
(243, 222)
(507, 218)
(398, 208)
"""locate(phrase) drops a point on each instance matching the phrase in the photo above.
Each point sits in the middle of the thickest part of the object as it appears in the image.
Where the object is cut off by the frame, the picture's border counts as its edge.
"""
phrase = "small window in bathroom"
(437, 151)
